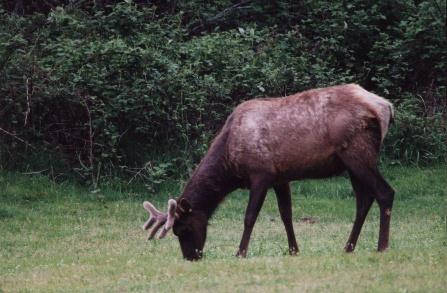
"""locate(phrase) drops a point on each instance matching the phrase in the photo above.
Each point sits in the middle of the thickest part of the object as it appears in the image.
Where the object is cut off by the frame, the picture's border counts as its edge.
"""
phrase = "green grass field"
(59, 237)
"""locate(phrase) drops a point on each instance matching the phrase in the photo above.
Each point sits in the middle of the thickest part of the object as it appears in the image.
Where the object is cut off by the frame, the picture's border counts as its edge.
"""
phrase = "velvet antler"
(157, 219)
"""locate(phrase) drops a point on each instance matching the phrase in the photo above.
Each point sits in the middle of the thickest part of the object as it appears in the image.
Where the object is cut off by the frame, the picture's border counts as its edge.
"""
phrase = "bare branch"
(34, 172)
(16, 137)
(28, 103)
(139, 172)
(91, 160)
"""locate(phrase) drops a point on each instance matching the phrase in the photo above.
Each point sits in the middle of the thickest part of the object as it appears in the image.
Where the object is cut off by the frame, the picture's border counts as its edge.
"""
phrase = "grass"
(59, 237)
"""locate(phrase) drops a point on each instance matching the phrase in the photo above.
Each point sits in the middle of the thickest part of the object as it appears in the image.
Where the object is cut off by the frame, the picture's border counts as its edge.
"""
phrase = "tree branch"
(16, 137)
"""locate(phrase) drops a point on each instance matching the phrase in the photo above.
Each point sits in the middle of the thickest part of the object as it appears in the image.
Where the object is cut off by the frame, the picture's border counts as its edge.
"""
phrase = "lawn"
(61, 237)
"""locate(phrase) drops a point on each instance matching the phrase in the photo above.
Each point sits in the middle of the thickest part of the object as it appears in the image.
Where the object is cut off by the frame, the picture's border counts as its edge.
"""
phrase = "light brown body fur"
(299, 136)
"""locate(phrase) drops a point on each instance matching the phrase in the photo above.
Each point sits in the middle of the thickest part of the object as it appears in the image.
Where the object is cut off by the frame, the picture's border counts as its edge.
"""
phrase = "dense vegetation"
(107, 88)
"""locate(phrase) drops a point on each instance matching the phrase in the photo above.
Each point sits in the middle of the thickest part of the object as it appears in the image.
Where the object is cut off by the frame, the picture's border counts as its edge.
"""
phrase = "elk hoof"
(349, 247)
(241, 254)
(293, 251)
(382, 249)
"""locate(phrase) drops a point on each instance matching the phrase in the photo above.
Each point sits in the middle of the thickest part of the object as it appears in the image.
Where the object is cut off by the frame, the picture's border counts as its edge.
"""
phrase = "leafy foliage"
(107, 87)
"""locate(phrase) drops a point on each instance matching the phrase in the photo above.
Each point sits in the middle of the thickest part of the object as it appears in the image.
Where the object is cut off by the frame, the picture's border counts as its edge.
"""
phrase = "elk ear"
(185, 206)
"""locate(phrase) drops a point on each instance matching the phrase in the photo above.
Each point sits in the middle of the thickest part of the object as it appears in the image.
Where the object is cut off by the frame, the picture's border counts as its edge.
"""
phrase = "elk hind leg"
(360, 158)
(364, 200)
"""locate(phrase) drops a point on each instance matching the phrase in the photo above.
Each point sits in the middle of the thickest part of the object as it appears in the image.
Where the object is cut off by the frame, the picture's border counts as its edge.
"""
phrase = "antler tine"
(155, 230)
(151, 209)
(148, 223)
(156, 217)
(172, 207)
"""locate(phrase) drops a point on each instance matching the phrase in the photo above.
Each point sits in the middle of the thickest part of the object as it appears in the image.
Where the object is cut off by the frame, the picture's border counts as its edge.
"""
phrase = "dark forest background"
(98, 90)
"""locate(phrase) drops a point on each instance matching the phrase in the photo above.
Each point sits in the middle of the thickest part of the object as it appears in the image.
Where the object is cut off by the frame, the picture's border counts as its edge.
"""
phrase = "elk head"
(187, 224)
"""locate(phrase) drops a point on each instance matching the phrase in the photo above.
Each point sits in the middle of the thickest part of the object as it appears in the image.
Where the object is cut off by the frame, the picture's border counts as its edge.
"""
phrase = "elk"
(270, 142)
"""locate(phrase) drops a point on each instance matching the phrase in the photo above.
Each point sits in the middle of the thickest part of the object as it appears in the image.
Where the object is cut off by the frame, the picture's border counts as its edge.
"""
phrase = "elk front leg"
(285, 210)
(258, 191)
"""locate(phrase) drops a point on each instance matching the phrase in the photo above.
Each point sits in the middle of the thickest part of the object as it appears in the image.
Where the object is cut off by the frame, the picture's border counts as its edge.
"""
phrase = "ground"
(60, 237)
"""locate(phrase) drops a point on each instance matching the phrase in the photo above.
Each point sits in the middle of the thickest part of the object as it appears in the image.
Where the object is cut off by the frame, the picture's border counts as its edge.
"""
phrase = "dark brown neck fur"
(212, 180)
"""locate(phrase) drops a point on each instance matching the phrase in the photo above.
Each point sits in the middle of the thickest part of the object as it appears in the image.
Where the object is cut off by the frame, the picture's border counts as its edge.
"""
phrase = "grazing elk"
(268, 143)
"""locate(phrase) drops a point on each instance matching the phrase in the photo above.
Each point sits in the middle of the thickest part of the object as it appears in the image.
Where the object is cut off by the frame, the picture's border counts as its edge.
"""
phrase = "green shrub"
(413, 136)
(105, 91)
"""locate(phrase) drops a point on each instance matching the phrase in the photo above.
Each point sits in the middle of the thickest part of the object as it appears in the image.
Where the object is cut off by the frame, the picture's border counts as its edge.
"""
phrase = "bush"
(105, 90)
(414, 137)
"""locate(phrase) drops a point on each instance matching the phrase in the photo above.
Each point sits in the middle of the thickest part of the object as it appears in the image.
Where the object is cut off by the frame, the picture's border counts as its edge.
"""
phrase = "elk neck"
(212, 180)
